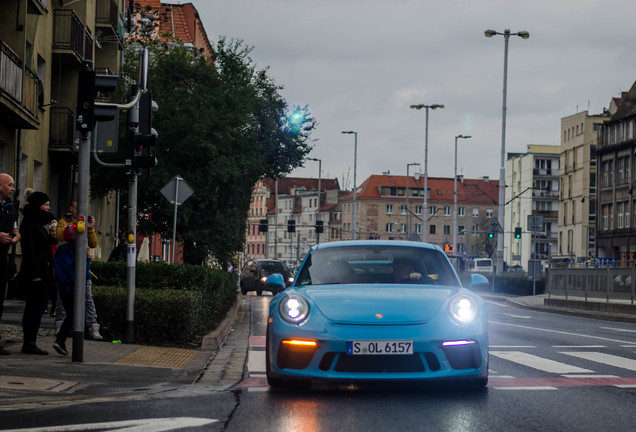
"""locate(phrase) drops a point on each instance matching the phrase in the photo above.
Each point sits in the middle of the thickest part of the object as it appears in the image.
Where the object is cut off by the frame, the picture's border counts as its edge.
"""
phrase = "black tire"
(259, 292)
(243, 289)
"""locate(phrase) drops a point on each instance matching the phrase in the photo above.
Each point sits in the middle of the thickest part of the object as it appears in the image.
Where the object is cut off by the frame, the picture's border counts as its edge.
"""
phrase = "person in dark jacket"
(65, 276)
(36, 267)
(9, 236)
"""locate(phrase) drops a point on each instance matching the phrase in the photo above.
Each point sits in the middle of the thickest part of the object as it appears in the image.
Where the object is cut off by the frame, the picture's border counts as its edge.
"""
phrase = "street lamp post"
(355, 163)
(502, 170)
(455, 192)
(319, 190)
(408, 206)
(425, 209)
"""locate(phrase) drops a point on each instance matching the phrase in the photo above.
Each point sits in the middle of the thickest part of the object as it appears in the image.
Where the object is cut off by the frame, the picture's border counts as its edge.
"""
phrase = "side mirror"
(477, 280)
(275, 283)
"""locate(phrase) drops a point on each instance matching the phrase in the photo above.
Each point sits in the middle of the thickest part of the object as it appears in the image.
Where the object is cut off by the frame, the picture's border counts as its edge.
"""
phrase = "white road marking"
(518, 316)
(578, 346)
(619, 329)
(527, 388)
(512, 346)
(539, 363)
(608, 359)
(142, 425)
(560, 332)
(256, 361)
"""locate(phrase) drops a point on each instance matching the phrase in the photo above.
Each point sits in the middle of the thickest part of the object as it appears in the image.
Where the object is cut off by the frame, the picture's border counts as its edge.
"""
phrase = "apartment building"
(532, 190)
(392, 206)
(290, 198)
(577, 218)
(42, 46)
(616, 181)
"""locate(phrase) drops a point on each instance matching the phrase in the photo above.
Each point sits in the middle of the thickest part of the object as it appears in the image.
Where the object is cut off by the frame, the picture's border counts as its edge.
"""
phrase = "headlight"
(463, 309)
(293, 309)
(263, 279)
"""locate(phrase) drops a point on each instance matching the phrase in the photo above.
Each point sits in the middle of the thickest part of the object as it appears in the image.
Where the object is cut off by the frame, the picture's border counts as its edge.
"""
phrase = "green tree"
(222, 125)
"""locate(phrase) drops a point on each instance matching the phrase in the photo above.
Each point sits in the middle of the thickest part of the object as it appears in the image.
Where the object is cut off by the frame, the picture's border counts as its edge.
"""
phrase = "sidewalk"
(114, 370)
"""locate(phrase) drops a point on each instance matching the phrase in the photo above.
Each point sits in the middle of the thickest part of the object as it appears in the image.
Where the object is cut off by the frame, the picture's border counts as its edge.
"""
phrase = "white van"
(482, 265)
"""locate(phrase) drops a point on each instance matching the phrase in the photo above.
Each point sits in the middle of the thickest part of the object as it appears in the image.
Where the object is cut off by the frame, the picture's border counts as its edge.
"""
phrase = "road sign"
(177, 191)
(535, 223)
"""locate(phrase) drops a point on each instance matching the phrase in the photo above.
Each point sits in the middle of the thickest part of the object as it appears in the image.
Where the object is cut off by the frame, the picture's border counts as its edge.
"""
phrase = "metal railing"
(61, 130)
(68, 32)
(593, 282)
(11, 74)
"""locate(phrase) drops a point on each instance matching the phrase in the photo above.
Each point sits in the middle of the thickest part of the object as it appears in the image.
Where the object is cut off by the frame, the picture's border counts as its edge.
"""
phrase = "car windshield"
(273, 267)
(377, 265)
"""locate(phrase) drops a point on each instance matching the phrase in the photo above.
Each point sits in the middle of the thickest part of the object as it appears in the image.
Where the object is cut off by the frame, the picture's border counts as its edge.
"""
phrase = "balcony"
(68, 34)
(18, 91)
(109, 23)
(62, 131)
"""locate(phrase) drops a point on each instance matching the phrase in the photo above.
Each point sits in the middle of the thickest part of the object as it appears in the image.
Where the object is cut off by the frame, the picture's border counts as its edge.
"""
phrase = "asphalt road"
(548, 372)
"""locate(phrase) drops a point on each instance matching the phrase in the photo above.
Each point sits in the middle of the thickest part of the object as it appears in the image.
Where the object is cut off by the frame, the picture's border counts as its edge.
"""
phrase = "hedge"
(175, 305)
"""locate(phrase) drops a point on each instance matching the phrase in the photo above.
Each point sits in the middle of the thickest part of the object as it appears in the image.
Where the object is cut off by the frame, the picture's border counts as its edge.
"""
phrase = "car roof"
(388, 243)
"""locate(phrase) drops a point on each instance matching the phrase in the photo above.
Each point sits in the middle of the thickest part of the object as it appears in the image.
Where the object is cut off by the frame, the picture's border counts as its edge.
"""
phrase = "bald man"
(9, 235)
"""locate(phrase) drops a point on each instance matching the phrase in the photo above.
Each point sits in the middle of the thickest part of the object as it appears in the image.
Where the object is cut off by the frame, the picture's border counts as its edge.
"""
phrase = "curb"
(213, 340)
(575, 312)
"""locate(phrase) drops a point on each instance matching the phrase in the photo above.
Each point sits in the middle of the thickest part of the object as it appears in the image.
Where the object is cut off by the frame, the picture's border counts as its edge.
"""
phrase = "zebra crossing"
(543, 373)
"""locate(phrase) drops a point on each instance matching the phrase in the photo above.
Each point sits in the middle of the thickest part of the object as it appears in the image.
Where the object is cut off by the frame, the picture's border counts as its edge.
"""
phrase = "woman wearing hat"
(36, 267)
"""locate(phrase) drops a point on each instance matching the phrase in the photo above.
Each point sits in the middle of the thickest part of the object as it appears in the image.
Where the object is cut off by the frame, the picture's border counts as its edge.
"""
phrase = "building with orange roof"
(178, 23)
(389, 208)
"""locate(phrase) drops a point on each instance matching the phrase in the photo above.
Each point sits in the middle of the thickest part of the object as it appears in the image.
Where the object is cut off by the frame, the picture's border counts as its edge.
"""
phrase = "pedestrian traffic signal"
(291, 226)
(449, 248)
(89, 85)
(491, 235)
(518, 232)
(262, 226)
(319, 226)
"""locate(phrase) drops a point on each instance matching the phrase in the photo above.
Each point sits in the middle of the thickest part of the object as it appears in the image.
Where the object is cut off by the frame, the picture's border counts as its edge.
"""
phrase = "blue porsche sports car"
(376, 311)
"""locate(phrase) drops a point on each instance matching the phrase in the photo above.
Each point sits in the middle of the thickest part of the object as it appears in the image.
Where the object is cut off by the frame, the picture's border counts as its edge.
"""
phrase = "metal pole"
(408, 208)
(79, 298)
(455, 193)
(131, 261)
(425, 209)
(355, 164)
(502, 167)
(174, 218)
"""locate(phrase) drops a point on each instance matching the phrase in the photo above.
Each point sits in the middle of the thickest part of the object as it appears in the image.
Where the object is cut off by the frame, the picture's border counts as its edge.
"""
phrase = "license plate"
(379, 347)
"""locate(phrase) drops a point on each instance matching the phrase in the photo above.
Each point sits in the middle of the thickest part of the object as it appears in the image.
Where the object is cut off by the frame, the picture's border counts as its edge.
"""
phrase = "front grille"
(379, 363)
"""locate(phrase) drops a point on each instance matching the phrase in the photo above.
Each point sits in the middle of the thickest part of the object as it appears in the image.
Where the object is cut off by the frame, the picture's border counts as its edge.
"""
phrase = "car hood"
(379, 304)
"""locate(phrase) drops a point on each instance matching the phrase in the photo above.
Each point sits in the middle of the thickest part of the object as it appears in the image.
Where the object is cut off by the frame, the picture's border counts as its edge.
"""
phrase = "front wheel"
(259, 292)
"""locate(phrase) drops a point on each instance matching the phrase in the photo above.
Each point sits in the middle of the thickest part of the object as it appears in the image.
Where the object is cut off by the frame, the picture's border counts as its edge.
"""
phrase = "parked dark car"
(256, 271)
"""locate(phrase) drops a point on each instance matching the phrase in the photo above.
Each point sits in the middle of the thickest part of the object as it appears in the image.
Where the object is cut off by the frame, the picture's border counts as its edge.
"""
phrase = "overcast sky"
(360, 64)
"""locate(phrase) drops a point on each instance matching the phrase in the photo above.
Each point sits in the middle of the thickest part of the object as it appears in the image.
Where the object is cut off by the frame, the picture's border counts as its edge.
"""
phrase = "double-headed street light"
(502, 170)
(408, 207)
(455, 192)
(355, 163)
(425, 209)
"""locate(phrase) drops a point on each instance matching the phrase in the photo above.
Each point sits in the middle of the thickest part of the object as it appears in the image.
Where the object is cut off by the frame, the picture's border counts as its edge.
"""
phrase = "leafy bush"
(175, 305)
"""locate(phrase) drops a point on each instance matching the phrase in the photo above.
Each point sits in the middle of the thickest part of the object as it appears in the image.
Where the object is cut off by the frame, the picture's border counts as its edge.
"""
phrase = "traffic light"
(518, 232)
(319, 226)
(89, 85)
(491, 235)
(262, 226)
(291, 226)
(146, 138)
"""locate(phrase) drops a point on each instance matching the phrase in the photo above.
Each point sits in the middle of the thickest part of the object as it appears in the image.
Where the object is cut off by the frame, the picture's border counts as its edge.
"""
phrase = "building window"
(461, 211)
(418, 228)
(418, 209)
(389, 209)
(447, 229)
(403, 228)
(432, 210)
(489, 213)
(475, 212)
(447, 211)
(403, 209)
(431, 229)
(389, 227)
